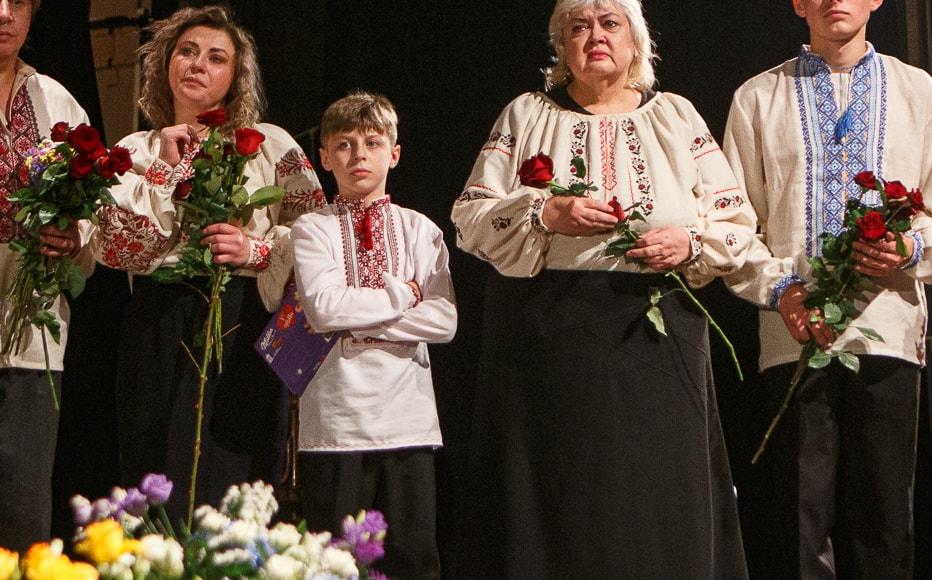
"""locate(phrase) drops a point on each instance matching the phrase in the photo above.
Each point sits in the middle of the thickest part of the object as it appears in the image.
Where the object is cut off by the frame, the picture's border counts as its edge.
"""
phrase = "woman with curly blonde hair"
(200, 60)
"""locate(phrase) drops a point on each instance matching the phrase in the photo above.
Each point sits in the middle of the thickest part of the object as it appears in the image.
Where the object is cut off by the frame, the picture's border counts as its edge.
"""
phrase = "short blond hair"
(641, 72)
(360, 111)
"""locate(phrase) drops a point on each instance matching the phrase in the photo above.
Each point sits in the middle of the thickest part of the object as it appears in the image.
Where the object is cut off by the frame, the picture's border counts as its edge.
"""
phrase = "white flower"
(252, 502)
(242, 533)
(210, 520)
(130, 523)
(338, 561)
(232, 556)
(282, 536)
(280, 567)
(163, 555)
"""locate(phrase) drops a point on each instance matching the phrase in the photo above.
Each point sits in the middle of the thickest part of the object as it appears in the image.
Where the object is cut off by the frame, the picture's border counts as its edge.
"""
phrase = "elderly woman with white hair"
(596, 447)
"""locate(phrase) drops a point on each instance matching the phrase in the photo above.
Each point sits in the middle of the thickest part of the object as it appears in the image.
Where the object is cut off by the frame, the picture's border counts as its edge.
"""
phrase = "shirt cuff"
(537, 214)
(260, 254)
(695, 243)
(781, 287)
(918, 250)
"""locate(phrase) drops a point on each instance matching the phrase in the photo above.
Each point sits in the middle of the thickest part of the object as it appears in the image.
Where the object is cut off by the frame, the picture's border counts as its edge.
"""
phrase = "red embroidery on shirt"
(24, 134)
(129, 241)
(260, 254)
(157, 174)
(303, 200)
(607, 137)
(293, 162)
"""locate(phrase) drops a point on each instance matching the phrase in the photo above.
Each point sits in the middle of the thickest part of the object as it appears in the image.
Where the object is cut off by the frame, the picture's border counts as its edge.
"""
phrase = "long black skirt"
(596, 449)
(245, 407)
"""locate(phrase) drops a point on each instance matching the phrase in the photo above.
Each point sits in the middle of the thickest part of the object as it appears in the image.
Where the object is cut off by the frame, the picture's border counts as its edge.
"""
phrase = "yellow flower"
(46, 562)
(104, 541)
(9, 563)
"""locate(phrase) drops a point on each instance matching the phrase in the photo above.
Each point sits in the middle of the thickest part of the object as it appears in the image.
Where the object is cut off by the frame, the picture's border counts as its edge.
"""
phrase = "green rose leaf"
(870, 333)
(656, 317)
(820, 360)
(850, 361)
(266, 196)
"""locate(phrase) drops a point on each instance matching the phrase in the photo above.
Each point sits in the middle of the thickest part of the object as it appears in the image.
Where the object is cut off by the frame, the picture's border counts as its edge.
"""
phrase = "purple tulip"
(156, 487)
(102, 509)
(81, 508)
(135, 503)
(374, 522)
(368, 552)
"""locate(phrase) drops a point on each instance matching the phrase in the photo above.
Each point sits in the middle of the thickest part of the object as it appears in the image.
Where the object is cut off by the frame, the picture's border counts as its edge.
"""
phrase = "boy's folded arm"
(329, 304)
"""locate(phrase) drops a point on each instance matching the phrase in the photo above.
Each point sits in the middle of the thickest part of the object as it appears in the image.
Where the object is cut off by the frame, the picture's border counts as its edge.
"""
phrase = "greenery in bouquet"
(836, 285)
(127, 536)
(215, 193)
(67, 179)
(537, 171)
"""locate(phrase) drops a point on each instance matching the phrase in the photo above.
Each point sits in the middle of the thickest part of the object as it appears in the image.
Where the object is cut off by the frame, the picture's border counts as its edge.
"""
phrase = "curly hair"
(641, 71)
(244, 102)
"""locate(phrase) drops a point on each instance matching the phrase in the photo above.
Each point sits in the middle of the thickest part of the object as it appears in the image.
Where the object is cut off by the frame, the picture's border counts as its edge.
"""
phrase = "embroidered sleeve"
(129, 241)
(295, 174)
(498, 219)
(918, 250)
(260, 254)
(695, 243)
(725, 229)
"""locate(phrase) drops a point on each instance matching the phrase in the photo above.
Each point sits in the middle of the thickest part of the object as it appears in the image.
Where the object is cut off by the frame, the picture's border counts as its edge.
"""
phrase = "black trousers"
(245, 406)
(399, 483)
(28, 431)
(832, 496)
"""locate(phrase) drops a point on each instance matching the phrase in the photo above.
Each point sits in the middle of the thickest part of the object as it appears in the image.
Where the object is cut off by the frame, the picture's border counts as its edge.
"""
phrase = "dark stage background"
(449, 67)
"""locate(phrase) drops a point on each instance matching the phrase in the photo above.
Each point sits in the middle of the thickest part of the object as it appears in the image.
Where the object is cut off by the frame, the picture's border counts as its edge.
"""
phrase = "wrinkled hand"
(879, 258)
(578, 216)
(56, 243)
(662, 248)
(172, 142)
(796, 317)
(228, 244)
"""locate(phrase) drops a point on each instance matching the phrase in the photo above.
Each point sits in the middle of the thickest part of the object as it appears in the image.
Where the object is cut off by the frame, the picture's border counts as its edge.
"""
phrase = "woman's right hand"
(578, 216)
(172, 142)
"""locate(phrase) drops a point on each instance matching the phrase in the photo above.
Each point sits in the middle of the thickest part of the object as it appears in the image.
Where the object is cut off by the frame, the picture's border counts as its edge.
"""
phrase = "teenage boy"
(377, 274)
(840, 470)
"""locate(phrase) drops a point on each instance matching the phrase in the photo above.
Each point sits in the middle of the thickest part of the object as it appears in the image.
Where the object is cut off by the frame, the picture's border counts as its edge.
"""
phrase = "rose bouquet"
(537, 171)
(67, 179)
(215, 193)
(836, 284)
(119, 537)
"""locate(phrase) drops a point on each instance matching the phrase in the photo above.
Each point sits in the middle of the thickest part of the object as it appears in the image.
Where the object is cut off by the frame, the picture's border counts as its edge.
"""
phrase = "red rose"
(895, 192)
(248, 141)
(617, 210)
(182, 190)
(80, 166)
(60, 131)
(536, 171)
(106, 167)
(915, 200)
(85, 139)
(866, 179)
(872, 226)
(124, 160)
(213, 118)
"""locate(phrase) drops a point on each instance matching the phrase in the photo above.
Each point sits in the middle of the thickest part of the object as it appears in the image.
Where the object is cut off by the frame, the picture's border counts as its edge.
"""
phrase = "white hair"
(641, 71)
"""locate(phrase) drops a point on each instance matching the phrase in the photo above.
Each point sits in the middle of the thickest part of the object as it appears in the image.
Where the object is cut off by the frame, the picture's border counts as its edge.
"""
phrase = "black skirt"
(596, 449)
(245, 407)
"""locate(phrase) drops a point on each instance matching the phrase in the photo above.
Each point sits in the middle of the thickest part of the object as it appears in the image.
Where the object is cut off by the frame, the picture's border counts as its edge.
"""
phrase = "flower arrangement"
(67, 177)
(836, 284)
(537, 171)
(215, 193)
(119, 537)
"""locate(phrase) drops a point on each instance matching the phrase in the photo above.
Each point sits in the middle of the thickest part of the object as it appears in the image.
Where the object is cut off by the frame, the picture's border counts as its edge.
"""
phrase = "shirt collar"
(357, 204)
(814, 62)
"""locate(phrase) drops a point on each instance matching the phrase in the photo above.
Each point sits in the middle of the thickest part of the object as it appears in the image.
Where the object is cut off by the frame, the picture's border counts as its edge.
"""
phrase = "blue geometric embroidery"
(828, 184)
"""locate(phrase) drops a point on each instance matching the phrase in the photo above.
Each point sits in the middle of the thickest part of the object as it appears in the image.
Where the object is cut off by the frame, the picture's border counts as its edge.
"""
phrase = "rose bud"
(85, 139)
(536, 171)
(915, 200)
(895, 192)
(248, 141)
(80, 166)
(182, 190)
(106, 167)
(124, 161)
(872, 226)
(60, 131)
(866, 179)
(617, 210)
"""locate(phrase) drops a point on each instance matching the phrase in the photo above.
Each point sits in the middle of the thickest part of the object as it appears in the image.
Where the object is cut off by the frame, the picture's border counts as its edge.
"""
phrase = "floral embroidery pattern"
(578, 145)
(158, 173)
(701, 141)
(129, 241)
(500, 223)
(730, 240)
(729, 201)
(537, 209)
(293, 162)
(503, 143)
(260, 254)
(607, 137)
(695, 240)
(364, 267)
(301, 201)
(472, 195)
(24, 131)
(638, 167)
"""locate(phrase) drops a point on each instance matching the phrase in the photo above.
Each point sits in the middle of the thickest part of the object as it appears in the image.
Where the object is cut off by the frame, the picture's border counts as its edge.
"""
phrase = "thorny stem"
(48, 370)
(808, 351)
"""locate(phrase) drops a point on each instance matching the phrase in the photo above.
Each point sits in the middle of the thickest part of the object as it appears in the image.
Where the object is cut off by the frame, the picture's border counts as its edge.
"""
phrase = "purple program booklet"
(293, 352)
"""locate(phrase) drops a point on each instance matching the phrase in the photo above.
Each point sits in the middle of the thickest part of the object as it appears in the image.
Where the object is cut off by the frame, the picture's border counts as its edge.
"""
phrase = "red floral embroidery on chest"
(369, 243)
(24, 134)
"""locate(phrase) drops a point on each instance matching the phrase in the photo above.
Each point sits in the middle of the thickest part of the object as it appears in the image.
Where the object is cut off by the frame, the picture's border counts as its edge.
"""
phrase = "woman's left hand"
(227, 243)
(663, 248)
(880, 257)
(57, 243)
